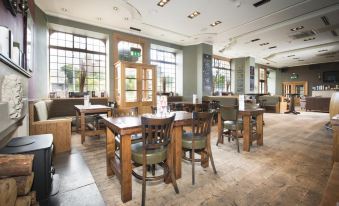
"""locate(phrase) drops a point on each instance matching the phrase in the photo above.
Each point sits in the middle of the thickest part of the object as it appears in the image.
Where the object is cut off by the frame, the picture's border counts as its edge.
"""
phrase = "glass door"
(147, 85)
(131, 84)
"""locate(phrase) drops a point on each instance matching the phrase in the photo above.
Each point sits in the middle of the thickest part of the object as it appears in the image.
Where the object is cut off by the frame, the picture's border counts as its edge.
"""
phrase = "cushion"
(41, 110)
(154, 156)
(199, 141)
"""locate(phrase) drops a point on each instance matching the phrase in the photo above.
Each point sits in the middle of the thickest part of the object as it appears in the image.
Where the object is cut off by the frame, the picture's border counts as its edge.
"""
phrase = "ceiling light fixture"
(99, 18)
(300, 60)
(272, 47)
(64, 9)
(297, 28)
(215, 23)
(162, 3)
(260, 3)
(263, 44)
(309, 39)
(291, 55)
(296, 58)
(194, 14)
(115, 8)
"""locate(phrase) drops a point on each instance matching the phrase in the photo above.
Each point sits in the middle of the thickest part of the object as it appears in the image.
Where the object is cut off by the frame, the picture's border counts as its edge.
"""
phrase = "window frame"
(223, 68)
(159, 77)
(83, 51)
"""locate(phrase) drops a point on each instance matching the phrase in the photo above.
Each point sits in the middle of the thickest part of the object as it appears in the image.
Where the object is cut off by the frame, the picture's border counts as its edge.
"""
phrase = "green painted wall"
(38, 84)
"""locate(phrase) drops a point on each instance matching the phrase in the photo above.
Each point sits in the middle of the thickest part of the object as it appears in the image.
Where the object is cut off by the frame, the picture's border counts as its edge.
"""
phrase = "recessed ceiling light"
(323, 50)
(272, 47)
(309, 39)
(126, 18)
(260, 3)
(162, 3)
(215, 23)
(182, 40)
(296, 58)
(115, 8)
(301, 60)
(297, 28)
(64, 9)
(253, 40)
(194, 14)
(291, 55)
(99, 18)
(263, 44)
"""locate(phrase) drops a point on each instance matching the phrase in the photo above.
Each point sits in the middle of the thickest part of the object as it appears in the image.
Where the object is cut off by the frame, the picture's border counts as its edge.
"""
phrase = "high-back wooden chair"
(156, 144)
(199, 139)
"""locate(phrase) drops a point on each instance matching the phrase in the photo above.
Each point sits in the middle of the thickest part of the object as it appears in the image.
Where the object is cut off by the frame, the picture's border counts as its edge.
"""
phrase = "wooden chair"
(198, 140)
(231, 125)
(154, 149)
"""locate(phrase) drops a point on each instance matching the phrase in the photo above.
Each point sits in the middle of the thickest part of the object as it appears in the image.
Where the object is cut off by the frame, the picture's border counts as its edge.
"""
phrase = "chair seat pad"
(154, 156)
(231, 125)
(199, 141)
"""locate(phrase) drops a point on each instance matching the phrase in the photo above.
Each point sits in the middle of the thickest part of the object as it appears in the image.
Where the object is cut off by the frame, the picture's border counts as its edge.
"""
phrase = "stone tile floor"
(291, 168)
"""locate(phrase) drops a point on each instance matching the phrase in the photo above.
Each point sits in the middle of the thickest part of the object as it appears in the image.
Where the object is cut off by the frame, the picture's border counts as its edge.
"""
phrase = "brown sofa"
(57, 116)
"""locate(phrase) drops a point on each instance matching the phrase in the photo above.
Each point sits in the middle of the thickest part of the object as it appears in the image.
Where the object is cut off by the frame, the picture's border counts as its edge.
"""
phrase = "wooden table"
(82, 110)
(125, 127)
(246, 115)
(335, 148)
(188, 103)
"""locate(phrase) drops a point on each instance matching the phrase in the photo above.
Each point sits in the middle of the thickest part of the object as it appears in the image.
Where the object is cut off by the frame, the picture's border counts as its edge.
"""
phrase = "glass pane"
(147, 85)
(130, 73)
(147, 74)
(146, 96)
(131, 96)
(131, 84)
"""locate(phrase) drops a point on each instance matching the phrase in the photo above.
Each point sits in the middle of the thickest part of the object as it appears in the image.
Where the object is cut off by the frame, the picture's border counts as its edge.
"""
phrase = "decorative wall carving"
(12, 92)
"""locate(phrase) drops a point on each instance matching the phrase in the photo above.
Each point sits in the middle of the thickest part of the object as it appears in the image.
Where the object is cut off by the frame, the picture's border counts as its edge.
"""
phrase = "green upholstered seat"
(199, 141)
(231, 125)
(154, 156)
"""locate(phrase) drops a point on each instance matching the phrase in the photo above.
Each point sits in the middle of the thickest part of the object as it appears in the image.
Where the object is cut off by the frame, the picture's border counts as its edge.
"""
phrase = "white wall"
(271, 82)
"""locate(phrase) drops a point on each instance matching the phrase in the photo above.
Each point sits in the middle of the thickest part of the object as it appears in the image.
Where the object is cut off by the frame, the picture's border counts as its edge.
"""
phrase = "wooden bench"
(331, 193)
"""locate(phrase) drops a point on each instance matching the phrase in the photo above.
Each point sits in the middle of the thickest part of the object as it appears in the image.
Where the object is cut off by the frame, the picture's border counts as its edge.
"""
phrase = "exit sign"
(135, 52)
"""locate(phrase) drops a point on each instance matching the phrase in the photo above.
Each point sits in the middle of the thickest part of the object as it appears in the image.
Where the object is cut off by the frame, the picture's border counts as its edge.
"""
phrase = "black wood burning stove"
(42, 148)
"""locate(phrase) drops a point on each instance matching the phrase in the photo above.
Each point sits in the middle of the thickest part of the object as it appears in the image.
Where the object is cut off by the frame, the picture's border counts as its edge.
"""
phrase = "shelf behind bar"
(14, 66)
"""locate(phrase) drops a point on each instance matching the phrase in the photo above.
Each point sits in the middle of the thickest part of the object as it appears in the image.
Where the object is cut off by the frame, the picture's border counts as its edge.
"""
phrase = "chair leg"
(211, 158)
(193, 174)
(238, 144)
(153, 170)
(143, 184)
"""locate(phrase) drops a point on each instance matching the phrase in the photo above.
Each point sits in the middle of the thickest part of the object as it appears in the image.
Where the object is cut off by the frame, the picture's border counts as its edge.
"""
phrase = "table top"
(186, 102)
(251, 111)
(92, 108)
(132, 125)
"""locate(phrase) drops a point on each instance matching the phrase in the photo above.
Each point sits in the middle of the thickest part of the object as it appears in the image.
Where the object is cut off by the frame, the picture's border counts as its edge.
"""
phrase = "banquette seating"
(57, 116)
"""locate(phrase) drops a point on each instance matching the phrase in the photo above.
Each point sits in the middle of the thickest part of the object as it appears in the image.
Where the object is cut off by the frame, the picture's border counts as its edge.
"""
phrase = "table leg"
(109, 113)
(126, 168)
(110, 151)
(82, 127)
(177, 148)
(77, 120)
(260, 132)
(219, 129)
(246, 132)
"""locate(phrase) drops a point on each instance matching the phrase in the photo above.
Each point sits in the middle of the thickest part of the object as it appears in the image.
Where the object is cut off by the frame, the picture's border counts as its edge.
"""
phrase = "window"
(166, 69)
(70, 55)
(221, 75)
(124, 50)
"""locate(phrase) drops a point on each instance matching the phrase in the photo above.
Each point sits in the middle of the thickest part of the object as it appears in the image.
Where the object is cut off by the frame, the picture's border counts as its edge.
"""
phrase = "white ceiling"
(241, 23)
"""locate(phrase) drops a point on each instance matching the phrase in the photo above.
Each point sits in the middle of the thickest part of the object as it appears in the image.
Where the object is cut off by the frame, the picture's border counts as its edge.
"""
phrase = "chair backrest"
(201, 123)
(229, 113)
(156, 132)
(124, 112)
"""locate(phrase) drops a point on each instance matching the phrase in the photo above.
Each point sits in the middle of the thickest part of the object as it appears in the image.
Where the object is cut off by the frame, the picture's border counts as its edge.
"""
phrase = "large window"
(166, 70)
(221, 75)
(71, 58)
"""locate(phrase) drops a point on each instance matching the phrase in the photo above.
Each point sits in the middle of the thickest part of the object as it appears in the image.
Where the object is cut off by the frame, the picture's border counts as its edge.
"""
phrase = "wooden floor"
(291, 168)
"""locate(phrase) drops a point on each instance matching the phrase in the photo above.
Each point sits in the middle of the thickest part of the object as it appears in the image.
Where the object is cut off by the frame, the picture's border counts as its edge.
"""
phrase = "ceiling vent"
(325, 20)
(135, 29)
(260, 3)
(304, 35)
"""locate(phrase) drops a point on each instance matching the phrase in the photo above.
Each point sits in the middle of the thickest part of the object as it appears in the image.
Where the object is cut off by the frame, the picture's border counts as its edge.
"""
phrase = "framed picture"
(29, 42)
